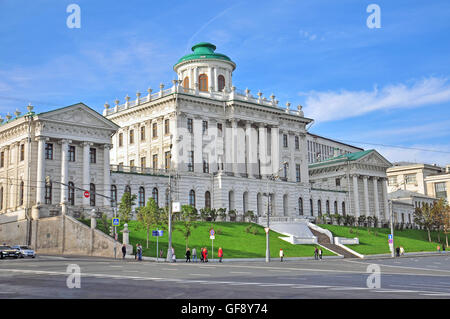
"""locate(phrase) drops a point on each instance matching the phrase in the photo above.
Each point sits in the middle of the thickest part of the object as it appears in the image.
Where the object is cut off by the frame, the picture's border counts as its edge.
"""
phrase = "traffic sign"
(212, 232)
(212, 237)
(176, 207)
(266, 229)
(391, 241)
(116, 221)
(86, 194)
(157, 233)
(390, 236)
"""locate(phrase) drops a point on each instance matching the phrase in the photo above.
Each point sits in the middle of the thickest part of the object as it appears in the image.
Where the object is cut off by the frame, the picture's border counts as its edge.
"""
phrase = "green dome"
(204, 50)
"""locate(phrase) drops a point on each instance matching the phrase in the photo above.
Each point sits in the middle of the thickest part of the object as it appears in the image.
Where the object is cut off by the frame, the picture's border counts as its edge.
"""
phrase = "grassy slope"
(231, 236)
(412, 240)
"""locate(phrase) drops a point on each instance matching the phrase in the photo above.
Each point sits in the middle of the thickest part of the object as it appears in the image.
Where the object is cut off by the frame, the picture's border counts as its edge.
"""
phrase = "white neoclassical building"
(225, 145)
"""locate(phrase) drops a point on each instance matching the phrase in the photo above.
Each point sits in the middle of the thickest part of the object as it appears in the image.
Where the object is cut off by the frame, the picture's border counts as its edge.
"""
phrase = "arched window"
(186, 83)
(343, 208)
(221, 82)
(48, 193)
(155, 195)
(192, 198)
(319, 207)
(311, 207)
(203, 82)
(21, 193)
(113, 195)
(336, 207)
(71, 195)
(1, 198)
(207, 199)
(230, 200)
(128, 189)
(141, 196)
(328, 206)
(92, 194)
(300, 206)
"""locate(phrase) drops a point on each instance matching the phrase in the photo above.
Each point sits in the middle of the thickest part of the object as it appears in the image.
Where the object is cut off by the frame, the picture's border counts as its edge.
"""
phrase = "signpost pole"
(157, 247)
(392, 229)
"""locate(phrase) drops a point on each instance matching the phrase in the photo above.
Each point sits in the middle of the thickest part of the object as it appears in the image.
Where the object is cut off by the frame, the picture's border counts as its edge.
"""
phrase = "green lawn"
(376, 242)
(231, 236)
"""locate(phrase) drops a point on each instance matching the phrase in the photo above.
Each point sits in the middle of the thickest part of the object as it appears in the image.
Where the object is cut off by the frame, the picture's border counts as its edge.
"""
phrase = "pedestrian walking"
(161, 253)
(136, 252)
(316, 253)
(202, 255)
(206, 255)
(397, 251)
(281, 254)
(174, 258)
(220, 254)
(438, 248)
(194, 255)
(402, 251)
(188, 255)
(320, 253)
(124, 251)
(140, 252)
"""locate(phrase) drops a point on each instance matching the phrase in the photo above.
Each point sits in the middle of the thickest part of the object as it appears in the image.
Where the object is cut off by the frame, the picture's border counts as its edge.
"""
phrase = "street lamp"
(169, 226)
(392, 228)
(270, 177)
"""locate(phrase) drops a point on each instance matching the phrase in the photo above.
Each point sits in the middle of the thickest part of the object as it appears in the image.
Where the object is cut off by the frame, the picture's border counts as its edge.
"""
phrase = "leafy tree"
(369, 221)
(204, 213)
(249, 214)
(337, 218)
(188, 217)
(232, 213)
(126, 206)
(423, 216)
(440, 212)
(361, 220)
(151, 216)
(213, 214)
(375, 221)
(222, 212)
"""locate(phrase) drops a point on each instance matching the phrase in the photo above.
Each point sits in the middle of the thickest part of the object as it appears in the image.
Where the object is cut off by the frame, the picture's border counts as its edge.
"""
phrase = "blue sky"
(388, 86)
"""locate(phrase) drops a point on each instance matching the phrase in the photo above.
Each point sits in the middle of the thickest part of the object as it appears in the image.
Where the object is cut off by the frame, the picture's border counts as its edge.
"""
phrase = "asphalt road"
(47, 277)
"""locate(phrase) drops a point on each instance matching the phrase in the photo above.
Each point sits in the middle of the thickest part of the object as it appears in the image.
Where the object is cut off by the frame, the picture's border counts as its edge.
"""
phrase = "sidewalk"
(228, 260)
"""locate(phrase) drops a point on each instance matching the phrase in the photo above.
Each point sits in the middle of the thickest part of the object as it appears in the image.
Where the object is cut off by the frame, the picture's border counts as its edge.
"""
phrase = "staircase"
(324, 240)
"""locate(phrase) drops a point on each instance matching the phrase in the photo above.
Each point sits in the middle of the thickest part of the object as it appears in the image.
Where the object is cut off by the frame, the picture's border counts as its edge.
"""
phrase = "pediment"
(374, 158)
(80, 115)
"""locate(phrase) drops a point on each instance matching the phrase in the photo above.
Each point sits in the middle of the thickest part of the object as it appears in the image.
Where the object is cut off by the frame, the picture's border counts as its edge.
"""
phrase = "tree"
(188, 217)
(249, 214)
(222, 212)
(338, 218)
(213, 214)
(204, 214)
(423, 216)
(361, 220)
(369, 221)
(126, 206)
(151, 216)
(232, 213)
(440, 211)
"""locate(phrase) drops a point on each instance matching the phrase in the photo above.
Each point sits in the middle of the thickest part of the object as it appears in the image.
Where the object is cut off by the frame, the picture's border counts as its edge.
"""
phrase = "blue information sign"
(390, 236)
(116, 221)
(157, 233)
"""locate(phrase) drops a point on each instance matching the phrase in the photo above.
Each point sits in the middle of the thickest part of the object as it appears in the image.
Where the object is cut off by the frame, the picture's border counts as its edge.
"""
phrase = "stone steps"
(324, 240)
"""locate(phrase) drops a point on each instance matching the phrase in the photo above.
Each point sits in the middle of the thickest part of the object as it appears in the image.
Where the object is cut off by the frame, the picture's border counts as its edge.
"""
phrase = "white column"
(234, 155)
(263, 148)
(356, 196)
(304, 164)
(275, 134)
(251, 156)
(366, 196)
(175, 148)
(40, 189)
(214, 81)
(198, 145)
(86, 171)
(385, 199)
(375, 190)
(64, 174)
(106, 175)
(291, 173)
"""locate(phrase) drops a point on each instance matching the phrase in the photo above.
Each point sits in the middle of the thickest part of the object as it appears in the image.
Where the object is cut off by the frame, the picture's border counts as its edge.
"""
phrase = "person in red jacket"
(205, 252)
(220, 254)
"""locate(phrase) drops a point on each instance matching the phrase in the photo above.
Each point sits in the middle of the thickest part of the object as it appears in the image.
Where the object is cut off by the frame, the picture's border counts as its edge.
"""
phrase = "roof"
(204, 50)
(402, 193)
(343, 158)
(329, 139)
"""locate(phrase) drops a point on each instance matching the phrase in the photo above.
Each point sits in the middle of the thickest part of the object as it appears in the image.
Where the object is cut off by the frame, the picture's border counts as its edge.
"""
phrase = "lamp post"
(270, 177)
(392, 228)
(169, 226)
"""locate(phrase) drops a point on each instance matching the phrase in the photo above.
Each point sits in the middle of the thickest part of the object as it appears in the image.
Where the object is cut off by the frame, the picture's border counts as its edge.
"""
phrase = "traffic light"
(111, 231)
(48, 181)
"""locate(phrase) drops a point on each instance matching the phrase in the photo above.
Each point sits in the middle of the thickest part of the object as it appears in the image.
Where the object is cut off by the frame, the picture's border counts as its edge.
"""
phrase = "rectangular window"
(2, 159)
(285, 140)
(205, 127)
(48, 151)
(285, 170)
(191, 161)
(166, 127)
(440, 190)
(22, 152)
(120, 139)
(142, 133)
(155, 161)
(71, 153)
(297, 173)
(143, 162)
(167, 157)
(338, 182)
(131, 136)
(155, 130)
(190, 126)
(93, 155)
(205, 164)
(132, 163)
(297, 143)
(392, 181)
(410, 179)
(219, 130)
(48, 194)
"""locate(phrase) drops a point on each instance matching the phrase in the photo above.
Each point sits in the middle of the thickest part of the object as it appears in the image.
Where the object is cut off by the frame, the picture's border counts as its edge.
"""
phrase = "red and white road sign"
(266, 229)
(86, 194)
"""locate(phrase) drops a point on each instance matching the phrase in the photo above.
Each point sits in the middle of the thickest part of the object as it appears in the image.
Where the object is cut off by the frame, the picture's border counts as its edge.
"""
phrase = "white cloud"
(330, 106)
(418, 155)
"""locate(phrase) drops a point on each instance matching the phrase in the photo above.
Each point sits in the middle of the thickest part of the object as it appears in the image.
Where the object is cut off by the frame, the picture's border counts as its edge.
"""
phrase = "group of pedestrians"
(318, 253)
(203, 255)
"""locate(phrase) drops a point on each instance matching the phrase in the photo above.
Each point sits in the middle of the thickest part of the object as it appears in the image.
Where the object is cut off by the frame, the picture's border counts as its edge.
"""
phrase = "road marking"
(309, 286)
(116, 266)
(280, 270)
(349, 288)
(276, 285)
(240, 272)
(199, 275)
(168, 269)
(403, 267)
(394, 291)
(436, 294)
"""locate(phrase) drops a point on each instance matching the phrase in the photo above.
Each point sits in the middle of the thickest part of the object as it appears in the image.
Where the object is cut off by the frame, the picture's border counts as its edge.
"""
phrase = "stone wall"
(13, 233)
